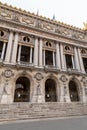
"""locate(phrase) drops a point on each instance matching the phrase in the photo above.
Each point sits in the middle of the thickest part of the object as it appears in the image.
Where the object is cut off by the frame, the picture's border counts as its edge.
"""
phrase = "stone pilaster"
(64, 97)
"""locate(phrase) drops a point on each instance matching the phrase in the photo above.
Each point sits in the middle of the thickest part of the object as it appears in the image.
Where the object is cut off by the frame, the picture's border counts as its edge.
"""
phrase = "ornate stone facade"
(41, 60)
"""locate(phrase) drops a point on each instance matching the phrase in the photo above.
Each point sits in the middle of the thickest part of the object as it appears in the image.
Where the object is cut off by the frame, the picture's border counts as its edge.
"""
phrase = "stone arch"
(51, 93)
(27, 75)
(22, 90)
(74, 90)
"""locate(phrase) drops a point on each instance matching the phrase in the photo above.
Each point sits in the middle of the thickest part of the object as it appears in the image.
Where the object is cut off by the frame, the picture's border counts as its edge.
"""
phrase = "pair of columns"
(76, 60)
(11, 52)
(38, 54)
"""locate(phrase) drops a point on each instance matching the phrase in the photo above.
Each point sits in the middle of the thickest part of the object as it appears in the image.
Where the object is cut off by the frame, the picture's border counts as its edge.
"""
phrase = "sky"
(72, 12)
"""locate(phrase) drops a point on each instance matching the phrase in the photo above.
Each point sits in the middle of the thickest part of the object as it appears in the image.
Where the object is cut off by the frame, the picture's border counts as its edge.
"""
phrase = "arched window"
(50, 91)
(22, 90)
(73, 91)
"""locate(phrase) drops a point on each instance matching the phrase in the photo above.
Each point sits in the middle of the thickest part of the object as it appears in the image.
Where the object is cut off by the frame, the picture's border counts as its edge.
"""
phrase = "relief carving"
(28, 21)
(38, 76)
(48, 27)
(63, 78)
(8, 73)
(6, 15)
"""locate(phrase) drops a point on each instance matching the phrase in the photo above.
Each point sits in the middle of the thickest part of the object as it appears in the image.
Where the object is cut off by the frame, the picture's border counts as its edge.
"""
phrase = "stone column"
(36, 52)
(40, 53)
(3, 51)
(44, 57)
(53, 59)
(58, 65)
(14, 53)
(9, 47)
(31, 55)
(81, 62)
(19, 53)
(77, 66)
(62, 58)
(73, 62)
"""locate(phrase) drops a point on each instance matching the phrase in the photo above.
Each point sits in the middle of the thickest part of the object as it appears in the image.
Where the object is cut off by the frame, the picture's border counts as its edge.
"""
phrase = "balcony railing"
(72, 70)
(27, 64)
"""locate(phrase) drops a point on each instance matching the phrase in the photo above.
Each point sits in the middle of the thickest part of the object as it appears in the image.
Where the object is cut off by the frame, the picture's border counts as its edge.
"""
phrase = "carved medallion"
(8, 73)
(38, 76)
(63, 78)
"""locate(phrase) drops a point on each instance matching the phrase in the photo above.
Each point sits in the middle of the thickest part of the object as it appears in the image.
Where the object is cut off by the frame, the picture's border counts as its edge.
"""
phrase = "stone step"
(21, 111)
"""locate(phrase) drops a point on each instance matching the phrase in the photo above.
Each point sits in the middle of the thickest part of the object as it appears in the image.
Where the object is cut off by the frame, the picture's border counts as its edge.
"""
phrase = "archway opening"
(22, 90)
(73, 90)
(50, 91)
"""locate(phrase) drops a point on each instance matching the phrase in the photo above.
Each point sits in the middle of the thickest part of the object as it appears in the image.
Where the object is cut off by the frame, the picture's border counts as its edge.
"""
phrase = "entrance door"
(50, 91)
(73, 90)
(22, 90)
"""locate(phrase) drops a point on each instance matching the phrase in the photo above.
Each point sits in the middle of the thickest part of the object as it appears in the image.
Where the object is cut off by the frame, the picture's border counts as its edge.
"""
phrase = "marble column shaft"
(77, 66)
(58, 65)
(40, 52)
(31, 55)
(81, 62)
(14, 54)
(36, 52)
(19, 53)
(9, 47)
(62, 58)
(3, 51)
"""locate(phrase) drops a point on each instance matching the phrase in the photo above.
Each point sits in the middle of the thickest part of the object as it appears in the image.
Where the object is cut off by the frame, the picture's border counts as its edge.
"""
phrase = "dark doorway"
(50, 91)
(73, 90)
(22, 90)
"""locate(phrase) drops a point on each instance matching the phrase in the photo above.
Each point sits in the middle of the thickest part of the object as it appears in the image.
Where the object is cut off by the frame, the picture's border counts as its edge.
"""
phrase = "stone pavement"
(75, 123)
